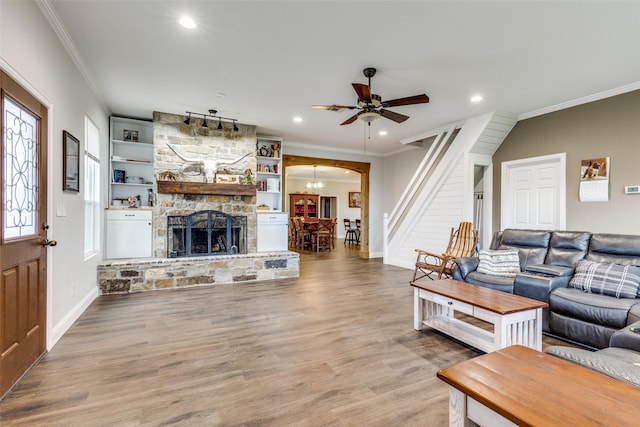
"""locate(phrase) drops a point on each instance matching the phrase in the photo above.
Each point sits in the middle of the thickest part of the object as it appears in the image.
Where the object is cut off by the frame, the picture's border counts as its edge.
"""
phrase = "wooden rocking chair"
(462, 243)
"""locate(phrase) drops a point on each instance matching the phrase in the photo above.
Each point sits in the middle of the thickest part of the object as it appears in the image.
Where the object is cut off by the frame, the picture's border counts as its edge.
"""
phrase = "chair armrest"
(465, 265)
(428, 253)
(626, 338)
(550, 270)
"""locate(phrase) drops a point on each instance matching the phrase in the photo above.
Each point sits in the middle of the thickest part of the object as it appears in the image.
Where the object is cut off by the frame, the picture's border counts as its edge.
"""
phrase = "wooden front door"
(23, 262)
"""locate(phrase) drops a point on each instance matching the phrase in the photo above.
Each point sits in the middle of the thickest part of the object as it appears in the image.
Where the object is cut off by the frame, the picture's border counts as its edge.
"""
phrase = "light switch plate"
(632, 189)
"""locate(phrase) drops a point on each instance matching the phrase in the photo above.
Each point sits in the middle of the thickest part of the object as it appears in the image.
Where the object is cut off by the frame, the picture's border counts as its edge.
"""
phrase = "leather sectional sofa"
(547, 263)
(620, 360)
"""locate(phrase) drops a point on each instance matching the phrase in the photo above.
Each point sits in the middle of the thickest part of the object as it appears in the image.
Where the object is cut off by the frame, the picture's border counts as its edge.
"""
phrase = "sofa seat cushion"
(499, 263)
(619, 363)
(592, 308)
(620, 281)
(504, 284)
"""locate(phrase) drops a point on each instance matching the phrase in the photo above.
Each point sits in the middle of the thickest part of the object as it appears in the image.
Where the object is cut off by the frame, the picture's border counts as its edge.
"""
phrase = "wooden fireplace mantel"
(206, 188)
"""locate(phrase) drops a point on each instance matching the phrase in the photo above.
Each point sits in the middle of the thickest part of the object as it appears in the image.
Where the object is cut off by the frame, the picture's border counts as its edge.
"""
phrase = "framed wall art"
(70, 162)
(354, 199)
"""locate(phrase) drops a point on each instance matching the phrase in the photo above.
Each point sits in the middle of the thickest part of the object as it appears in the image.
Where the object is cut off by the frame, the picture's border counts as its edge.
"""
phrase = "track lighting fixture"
(214, 115)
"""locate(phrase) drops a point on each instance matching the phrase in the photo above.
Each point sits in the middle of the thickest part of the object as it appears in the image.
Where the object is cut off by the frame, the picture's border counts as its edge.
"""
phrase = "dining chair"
(351, 235)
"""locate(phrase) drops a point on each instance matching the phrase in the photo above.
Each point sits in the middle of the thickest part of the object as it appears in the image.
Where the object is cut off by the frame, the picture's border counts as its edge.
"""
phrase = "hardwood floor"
(335, 347)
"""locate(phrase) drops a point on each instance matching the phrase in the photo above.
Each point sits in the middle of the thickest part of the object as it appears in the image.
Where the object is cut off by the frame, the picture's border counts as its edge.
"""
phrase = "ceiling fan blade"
(350, 119)
(398, 118)
(363, 91)
(334, 107)
(410, 100)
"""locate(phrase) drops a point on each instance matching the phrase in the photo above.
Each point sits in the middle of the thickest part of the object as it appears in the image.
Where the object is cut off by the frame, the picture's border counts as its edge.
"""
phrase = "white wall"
(31, 53)
(398, 171)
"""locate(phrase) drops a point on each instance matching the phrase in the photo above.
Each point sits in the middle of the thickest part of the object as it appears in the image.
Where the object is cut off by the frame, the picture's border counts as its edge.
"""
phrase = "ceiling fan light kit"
(372, 106)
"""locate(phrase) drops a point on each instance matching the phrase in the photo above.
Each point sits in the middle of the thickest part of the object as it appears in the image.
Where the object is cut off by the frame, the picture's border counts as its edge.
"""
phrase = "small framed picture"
(130, 135)
(354, 199)
(70, 162)
(227, 179)
(119, 176)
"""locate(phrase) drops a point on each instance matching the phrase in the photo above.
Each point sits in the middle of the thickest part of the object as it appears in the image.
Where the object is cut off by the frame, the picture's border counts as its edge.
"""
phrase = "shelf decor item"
(70, 162)
(130, 135)
(119, 175)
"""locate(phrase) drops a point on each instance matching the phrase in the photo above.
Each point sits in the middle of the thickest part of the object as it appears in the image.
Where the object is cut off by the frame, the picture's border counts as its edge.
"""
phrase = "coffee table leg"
(418, 310)
(458, 409)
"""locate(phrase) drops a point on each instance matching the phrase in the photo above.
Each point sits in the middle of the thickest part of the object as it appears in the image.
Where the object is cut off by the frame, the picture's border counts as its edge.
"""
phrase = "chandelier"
(315, 184)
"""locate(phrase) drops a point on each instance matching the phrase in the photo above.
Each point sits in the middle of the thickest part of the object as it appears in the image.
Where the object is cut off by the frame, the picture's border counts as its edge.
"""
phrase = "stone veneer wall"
(194, 141)
(128, 276)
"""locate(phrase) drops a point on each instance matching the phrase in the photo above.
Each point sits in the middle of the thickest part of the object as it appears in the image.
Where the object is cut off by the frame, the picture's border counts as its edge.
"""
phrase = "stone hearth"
(128, 276)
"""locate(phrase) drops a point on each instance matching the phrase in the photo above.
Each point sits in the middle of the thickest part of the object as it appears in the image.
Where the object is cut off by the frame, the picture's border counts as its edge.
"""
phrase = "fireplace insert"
(206, 233)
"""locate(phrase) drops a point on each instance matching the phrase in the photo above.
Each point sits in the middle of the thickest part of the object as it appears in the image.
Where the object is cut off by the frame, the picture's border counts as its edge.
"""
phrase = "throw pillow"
(616, 280)
(499, 263)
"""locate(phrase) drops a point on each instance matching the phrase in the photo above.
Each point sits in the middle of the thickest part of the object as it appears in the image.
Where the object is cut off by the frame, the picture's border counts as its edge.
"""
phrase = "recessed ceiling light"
(476, 98)
(297, 119)
(187, 22)
(382, 133)
(220, 95)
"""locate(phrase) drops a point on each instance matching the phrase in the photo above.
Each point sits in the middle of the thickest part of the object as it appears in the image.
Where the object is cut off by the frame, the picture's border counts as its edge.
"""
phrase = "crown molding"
(52, 17)
(579, 101)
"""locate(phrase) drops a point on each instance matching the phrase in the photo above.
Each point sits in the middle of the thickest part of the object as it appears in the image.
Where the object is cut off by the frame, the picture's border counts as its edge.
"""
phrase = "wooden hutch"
(303, 205)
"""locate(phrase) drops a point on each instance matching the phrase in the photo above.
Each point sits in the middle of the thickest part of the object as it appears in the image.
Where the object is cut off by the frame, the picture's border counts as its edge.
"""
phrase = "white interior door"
(534, 193)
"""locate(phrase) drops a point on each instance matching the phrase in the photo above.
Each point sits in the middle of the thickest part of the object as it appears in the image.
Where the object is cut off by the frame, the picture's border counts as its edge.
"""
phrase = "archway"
(360, 167)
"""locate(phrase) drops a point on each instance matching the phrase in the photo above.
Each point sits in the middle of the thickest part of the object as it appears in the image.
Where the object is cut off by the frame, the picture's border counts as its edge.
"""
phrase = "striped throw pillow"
(499, 263)
(616, 280)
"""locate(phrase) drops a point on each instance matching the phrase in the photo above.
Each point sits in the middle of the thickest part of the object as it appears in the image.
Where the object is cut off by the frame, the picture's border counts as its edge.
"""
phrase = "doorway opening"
(360, 167)
(328, 207)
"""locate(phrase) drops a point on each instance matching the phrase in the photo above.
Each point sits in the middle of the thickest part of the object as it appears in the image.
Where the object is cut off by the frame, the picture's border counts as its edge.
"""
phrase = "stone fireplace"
(183, 196)
(206, 233)
(206, 143)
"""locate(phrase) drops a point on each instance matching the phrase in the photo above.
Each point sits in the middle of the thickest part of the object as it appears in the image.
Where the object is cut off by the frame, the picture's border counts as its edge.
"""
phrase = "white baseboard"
(63, 326)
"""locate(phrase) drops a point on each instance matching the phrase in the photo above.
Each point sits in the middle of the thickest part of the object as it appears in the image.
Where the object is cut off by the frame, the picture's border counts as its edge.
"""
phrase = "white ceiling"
(323, 174)
(274, 59)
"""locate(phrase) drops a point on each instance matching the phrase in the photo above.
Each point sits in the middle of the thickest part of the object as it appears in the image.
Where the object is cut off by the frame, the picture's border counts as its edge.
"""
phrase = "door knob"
(47, 242)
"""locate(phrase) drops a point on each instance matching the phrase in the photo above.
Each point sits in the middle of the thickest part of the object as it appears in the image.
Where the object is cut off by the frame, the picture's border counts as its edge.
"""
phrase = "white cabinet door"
(128, 233)
(272, 232)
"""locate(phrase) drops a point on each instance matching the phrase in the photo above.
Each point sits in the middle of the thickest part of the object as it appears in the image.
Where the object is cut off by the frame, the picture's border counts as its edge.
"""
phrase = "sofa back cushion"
(614, 248)
(616, 280)
(566, 248)
(532, 245)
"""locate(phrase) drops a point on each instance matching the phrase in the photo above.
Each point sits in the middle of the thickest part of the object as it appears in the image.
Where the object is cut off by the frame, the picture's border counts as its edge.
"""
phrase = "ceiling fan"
(371, 105)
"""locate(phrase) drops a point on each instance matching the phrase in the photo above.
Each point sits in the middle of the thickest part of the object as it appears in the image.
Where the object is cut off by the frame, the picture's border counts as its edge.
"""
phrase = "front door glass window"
(20, 143)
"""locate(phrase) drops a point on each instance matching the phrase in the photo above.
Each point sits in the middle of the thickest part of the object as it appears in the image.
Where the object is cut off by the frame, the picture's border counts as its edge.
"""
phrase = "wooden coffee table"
(520, 386)
(515, 319)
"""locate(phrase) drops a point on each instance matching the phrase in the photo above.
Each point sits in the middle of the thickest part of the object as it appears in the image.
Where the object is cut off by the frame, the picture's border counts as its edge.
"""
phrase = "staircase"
(436, 197)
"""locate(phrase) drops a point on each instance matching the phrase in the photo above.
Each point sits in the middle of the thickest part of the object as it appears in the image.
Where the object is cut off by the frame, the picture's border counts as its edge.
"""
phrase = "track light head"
(235, 128)
(187, 121)
(204, 122)
(213, 112)
(219, 124)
